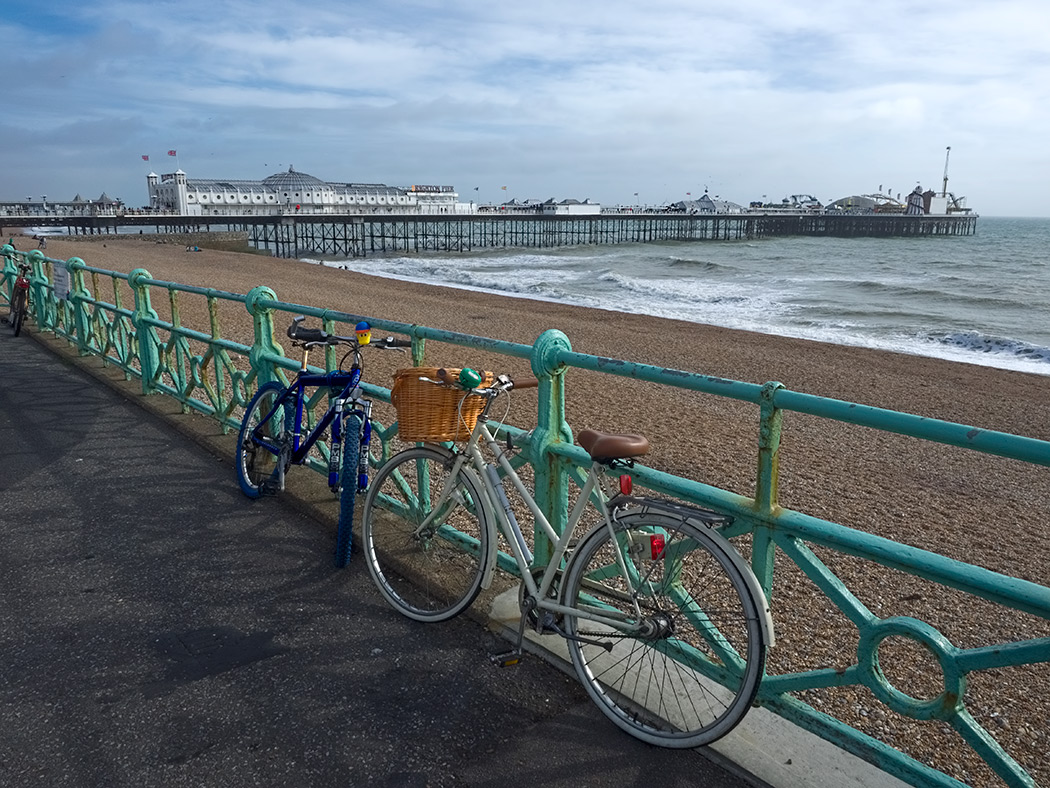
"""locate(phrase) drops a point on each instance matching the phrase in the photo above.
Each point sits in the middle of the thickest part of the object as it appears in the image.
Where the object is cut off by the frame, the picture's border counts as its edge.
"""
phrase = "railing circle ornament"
(257, 294)
(137, 277)
(943, 707)
(546, 353)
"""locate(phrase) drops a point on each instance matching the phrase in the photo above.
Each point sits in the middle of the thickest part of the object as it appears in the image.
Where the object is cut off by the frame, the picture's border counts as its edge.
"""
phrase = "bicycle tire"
(436, 576)
(696, 676)
(256, 463)
(352, 427)
(18, 311)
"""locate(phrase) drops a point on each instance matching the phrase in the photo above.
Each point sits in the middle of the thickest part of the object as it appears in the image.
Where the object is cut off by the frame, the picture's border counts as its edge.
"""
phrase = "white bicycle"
(665, 623)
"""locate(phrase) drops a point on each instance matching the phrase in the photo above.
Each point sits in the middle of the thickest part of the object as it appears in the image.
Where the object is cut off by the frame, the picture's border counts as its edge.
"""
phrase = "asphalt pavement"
(157, 628)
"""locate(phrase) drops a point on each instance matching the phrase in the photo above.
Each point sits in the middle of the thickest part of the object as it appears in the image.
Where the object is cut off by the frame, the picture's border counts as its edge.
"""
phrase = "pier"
(376, 234)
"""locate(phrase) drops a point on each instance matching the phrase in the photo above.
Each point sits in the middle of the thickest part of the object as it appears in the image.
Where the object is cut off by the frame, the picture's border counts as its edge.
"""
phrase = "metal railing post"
(79, 297)
(10, 270)
(767, 484)
(146, 336)
(38, 285)
(265, 348)
(552, 481)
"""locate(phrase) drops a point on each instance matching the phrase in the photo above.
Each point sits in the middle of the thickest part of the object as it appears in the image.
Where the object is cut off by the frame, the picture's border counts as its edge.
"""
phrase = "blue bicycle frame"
(347, 384)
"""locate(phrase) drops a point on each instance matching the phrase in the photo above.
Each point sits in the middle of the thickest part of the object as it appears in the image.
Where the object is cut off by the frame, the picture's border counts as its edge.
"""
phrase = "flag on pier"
(504, 188)
(172, 153)
(476, 188)
(145, 158)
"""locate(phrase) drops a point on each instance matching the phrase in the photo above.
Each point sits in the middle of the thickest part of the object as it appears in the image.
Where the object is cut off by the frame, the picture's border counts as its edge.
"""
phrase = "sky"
(617, 102)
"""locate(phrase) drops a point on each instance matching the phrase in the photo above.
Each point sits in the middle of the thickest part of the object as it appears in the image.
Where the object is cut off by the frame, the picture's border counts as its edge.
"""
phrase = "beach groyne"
(899, 556)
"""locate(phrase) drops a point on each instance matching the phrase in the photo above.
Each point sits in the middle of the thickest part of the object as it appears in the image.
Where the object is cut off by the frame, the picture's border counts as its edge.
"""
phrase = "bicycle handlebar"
(502, 383)
(317, 336)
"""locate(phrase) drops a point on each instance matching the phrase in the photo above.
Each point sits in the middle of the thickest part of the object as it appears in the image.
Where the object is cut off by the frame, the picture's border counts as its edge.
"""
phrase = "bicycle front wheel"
(678, 660)
(18, 310)
(259, 442)
(428, 569)
(352, 449)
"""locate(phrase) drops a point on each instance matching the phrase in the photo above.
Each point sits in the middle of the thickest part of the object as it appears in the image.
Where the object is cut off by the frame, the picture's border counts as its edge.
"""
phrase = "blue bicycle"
(272, 436)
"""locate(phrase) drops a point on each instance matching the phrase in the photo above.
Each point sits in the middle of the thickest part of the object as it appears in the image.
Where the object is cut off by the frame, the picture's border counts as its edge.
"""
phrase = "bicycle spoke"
(427, 563)
(683, 673)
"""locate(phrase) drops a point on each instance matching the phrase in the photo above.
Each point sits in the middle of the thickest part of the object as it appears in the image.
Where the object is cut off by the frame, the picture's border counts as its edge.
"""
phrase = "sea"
(982, 299)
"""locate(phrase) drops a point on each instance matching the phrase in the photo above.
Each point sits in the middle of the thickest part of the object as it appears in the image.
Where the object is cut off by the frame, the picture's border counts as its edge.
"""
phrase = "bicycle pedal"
(507, 659)
(270, 487)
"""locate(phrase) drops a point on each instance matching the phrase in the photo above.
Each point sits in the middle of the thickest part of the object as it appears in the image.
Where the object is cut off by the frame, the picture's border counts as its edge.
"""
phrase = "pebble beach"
(978, 509)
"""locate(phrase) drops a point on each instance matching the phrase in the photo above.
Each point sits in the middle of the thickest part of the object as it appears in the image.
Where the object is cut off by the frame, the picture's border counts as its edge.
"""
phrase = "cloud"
(598, 99)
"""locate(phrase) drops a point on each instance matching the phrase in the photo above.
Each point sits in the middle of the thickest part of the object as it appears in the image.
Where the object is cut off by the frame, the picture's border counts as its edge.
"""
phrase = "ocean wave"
(930, 294)
(857, 293)
(538, 284)
(677, 291)
(698, 265)
(981, 343)
(49, 231)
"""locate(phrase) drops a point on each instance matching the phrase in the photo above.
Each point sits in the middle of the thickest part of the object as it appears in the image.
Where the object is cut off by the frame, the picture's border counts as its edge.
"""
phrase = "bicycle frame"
(511, 530)
(348, 383)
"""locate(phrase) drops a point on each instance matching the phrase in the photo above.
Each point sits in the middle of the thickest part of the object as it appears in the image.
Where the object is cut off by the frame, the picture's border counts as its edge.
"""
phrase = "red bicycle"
(20, 299)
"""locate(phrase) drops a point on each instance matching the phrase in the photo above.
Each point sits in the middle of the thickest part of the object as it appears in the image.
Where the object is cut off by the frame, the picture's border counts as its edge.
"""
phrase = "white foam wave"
(816, 301)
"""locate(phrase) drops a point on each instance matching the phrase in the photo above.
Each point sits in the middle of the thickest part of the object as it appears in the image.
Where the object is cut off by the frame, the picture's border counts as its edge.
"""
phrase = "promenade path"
(159, 629)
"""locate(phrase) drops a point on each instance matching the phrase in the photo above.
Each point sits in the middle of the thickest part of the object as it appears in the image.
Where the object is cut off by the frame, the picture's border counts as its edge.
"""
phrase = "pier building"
(103, 205)
(293, 193)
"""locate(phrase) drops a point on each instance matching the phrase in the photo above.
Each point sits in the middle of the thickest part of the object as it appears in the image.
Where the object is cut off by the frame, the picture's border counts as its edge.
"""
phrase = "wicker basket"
(428, 412)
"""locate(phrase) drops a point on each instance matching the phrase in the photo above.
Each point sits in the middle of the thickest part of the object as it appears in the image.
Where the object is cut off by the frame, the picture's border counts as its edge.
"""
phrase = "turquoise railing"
(219, 382)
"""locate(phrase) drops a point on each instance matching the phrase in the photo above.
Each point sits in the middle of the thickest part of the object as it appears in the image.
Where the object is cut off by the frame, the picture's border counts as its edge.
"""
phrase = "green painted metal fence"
(220, 381)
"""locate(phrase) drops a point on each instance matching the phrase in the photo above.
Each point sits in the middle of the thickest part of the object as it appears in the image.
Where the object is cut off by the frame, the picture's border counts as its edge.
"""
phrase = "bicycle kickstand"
(275, 483)
(513, 657)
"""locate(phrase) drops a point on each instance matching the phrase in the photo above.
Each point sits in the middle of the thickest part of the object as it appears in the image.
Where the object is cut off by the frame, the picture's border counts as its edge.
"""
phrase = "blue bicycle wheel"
(258, 449)
(351, 452)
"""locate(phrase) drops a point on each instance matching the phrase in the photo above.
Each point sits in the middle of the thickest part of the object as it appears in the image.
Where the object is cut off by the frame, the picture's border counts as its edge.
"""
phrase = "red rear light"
(626, 484)
(656, 546)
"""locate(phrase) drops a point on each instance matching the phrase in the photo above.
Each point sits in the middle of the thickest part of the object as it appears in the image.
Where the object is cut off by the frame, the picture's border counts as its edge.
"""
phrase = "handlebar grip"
(444, 376)
(303, 334)
(525, 383)
(391, 342)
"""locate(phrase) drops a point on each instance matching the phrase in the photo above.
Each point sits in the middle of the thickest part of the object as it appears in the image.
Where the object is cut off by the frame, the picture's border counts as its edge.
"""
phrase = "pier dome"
(294, 181)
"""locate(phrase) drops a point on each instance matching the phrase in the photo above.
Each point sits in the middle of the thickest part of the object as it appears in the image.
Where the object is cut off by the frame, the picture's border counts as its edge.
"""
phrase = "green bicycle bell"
(469, 378)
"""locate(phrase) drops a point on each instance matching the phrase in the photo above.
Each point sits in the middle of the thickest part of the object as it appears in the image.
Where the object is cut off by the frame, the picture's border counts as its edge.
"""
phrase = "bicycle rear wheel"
(435, 573)
(694, 673)
(258, 450)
